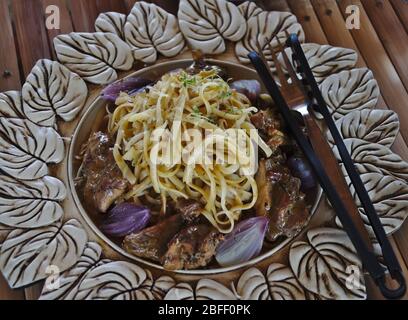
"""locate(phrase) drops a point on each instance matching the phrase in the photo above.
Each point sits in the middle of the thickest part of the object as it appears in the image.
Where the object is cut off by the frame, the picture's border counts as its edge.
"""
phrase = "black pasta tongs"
(348, 218)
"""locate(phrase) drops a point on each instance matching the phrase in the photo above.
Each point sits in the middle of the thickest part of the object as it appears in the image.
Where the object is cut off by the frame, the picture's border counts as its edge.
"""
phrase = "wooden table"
(382, 43)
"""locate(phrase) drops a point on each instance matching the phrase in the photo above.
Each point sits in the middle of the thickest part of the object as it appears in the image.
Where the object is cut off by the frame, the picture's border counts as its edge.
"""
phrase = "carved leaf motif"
(283, 284)
(208, 289)
(374, 126)
(375, 158)
(249, 9)
(389, 197)
(30, 204)
(26, 255)
(325, 60)
(70, 278)
(349, 91)
(252, 285)
(52, 90)
(181, 291)
(94, 56)
(118, 280)
(263, 31)
(205, 24)
(11, 105)
(150, 29)
(27, 148)
(323, 263)
(111, 22)
(4, 231)
(43, 143)
(155, 289)
(279, 284)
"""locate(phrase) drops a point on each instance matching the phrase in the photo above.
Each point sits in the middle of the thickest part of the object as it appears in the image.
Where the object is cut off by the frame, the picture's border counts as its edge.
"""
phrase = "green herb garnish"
(198, 115)
(188, 80)
(225, 95)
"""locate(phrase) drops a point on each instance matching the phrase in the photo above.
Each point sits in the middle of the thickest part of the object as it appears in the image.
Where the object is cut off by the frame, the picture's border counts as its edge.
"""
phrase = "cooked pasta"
(173, 140)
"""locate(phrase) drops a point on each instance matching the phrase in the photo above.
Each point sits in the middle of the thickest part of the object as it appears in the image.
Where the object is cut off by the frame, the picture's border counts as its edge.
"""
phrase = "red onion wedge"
(301, 169)
(250, 88)
(243, 243)
(131, 85)
(124, 219)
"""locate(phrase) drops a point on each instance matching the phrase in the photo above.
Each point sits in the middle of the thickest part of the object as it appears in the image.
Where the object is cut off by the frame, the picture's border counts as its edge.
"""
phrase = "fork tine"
(288, 64)
(287, 34)
(279, 70)
(261, 54)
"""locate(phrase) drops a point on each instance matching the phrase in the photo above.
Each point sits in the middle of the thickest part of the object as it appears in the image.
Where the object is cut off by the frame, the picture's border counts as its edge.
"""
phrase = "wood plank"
(401, 9)
(33, 292)
(65, 20)
(9, 294)
(9, 69)
(333, 24)
(83, 14)
(378, 61)
(275, 5)
(392, 34)
(373, 290)
(384, 72)
(401, 236)
(32, 39)
(111, 5)
(329, 16)
(169, 6)
(31, 34)
(129, 4)
(306, 16)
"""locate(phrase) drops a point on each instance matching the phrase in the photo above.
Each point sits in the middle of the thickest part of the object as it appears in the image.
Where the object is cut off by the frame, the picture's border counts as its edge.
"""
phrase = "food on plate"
(194, 170)
(192, 247)
(280, 199)
(124, 219)
(152, 242)
(244, 242)
(100, 176)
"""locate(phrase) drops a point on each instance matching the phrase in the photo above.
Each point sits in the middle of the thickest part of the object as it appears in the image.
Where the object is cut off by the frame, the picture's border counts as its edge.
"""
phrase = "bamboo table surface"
(382, 44)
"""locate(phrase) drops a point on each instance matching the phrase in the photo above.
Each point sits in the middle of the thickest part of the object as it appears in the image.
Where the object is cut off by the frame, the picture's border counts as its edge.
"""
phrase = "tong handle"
(331, 165)
(365, 254)
(388, 253)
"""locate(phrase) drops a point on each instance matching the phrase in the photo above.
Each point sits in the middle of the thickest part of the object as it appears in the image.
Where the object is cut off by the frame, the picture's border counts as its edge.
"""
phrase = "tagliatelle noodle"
(154, 145)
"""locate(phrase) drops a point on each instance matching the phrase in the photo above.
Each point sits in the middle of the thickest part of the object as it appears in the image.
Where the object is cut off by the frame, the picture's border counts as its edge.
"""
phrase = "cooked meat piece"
(280, 199)
(270, 126)
(192, 248)
(103, 180)
(190, 209)
(277, 139)
(267, 122)
(151, 243)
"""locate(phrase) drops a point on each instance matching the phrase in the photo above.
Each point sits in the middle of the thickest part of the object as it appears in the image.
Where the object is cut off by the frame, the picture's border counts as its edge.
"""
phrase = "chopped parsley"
(233, 110)
(188, 80)
(198, 115)
(225, 95)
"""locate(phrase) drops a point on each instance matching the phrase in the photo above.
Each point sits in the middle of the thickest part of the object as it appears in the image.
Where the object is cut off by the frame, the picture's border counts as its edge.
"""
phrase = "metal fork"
(297, 99)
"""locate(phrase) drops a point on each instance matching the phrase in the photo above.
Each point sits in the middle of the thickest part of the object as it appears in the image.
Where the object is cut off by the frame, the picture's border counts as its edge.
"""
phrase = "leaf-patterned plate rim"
(147, 286)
